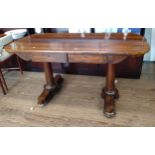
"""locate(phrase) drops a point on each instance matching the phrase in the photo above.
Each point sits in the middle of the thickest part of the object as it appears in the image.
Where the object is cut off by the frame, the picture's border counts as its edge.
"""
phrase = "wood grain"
(91, 44)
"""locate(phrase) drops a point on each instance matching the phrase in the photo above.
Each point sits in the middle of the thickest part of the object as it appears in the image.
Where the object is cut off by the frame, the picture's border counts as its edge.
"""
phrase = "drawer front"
(49, 57)
(87, 58)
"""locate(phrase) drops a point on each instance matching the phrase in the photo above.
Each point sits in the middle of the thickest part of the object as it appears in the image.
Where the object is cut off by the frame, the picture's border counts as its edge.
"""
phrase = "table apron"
(95, 58)
(72, 58)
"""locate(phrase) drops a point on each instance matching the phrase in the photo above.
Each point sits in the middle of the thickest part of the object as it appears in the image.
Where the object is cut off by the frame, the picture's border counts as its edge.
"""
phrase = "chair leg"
(19, 64)
(3, 90)
(2, 81)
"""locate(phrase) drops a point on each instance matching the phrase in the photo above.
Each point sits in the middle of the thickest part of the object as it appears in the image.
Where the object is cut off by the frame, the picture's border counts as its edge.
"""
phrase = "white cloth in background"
(3, 41)
(4, 55)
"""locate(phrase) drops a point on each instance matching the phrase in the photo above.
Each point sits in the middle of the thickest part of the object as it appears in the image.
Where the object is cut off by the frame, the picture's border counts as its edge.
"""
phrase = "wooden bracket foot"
(49, 91)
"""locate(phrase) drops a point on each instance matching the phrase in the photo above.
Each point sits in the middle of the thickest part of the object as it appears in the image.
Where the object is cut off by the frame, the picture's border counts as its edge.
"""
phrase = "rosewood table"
(76, 48)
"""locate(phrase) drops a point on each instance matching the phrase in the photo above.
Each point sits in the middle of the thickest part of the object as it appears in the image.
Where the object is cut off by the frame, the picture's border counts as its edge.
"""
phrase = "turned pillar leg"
(109, 93)
(49, 75)
(53, 84)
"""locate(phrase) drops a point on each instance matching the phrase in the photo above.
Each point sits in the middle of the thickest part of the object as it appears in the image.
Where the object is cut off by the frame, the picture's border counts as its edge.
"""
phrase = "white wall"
(79, 30)
(150, 36)
(152, 58)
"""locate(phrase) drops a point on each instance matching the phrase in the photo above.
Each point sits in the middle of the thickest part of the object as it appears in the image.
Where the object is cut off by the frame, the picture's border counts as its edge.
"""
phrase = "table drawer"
(49, 57)
(87, 58)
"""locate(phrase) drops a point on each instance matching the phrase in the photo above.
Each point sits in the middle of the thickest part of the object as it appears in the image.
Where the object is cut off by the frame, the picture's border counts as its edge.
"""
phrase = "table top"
(90, 43)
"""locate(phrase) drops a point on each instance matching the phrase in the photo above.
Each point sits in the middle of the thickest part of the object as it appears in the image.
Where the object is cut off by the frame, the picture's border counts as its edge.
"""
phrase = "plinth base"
(50, 91)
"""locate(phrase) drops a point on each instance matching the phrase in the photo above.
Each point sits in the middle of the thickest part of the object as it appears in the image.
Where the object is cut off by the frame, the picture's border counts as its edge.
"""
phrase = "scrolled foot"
(49, 91)
(43, 98)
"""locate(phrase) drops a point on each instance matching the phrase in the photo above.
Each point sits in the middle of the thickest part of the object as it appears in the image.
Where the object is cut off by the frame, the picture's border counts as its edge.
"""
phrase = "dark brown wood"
(131, 68)
(109, 93)
(3, 83)
(2, 35)
(49, 75)
(92, 48)
(73, 43)
(52, 84)
(19, 64)
(3, 89)
(95, 58)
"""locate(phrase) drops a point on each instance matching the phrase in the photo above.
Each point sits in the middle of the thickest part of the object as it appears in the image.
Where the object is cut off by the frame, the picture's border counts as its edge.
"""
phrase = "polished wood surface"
(130, 68)
(87, 48)
(74, 43)
(52, 86)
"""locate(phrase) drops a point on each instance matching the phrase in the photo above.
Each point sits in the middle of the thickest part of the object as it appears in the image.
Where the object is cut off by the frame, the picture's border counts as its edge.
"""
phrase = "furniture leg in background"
(3, 83)
(19, 64)
(5, 58)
